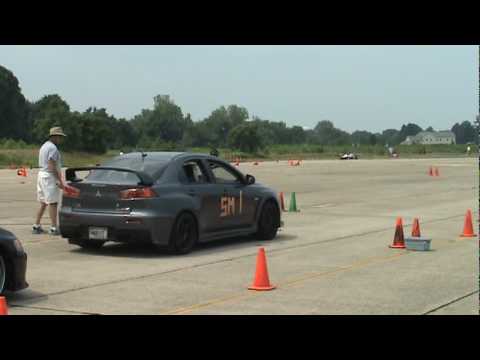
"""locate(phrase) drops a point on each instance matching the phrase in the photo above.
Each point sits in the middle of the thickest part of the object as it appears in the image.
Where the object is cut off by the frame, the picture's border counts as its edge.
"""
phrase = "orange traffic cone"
(398, 240)
(282, 201)
(416, 228)
(261, 281)
(436, 172)
(22, 172)
(468, 227)
(430, 171)
(3, 306)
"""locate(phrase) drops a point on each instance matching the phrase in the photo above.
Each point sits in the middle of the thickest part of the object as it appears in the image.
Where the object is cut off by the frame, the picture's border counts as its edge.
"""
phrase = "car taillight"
(71, 192)
(138, 193)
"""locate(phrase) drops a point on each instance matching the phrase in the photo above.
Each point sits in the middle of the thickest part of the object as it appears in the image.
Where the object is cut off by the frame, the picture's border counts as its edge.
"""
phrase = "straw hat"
(56, 131)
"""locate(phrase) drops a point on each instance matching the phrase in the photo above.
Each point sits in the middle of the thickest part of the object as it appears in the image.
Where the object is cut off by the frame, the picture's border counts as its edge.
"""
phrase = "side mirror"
(250, 179)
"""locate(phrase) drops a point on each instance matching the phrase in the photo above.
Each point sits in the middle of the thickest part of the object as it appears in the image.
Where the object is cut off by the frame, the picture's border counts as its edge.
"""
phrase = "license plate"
(97, 233)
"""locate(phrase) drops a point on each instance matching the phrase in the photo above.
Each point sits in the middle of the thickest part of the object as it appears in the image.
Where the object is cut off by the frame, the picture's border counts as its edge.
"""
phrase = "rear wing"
(145, 179)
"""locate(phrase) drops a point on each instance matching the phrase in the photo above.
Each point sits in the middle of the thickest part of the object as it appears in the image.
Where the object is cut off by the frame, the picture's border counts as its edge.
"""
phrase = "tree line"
(166, 127)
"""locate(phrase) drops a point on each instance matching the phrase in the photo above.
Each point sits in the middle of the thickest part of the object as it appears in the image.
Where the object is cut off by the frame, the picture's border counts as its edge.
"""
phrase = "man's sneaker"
(37, 229)
(53, 231)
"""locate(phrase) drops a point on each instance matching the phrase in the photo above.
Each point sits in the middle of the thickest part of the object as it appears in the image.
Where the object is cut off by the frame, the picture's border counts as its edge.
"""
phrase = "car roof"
(156, 155)
(166, 155)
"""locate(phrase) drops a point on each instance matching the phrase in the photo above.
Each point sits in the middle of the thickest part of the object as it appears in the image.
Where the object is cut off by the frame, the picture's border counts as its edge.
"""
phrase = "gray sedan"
(172, 200)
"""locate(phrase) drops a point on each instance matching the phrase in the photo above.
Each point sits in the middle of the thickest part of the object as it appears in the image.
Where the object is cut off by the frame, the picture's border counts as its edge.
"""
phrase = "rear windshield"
(152, 167)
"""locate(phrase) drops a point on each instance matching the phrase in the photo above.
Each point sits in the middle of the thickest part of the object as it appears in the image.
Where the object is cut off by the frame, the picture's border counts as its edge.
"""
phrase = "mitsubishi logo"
(98, 194)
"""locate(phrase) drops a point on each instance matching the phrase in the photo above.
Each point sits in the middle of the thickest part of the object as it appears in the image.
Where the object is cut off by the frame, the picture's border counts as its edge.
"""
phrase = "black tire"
(87, 244)
(184, 234)
(268, 222)
(3, 274)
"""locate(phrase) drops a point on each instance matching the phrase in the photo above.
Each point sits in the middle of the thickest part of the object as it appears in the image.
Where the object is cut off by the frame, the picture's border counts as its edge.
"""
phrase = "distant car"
(13, 263)
(172, 200)
(349, 156)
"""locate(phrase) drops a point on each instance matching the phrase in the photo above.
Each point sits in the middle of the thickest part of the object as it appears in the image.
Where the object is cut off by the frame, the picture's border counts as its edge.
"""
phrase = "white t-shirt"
(49, 151)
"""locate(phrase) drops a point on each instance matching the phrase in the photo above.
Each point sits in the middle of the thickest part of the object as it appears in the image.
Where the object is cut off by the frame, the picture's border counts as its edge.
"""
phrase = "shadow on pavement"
(27, 296)
(149, 251)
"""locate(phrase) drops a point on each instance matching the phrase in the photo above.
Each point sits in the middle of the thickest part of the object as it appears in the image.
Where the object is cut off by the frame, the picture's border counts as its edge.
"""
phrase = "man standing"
(49, 180)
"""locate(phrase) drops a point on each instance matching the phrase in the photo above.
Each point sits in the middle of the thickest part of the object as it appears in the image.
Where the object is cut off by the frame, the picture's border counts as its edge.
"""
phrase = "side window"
(194, 172)
(223, 175)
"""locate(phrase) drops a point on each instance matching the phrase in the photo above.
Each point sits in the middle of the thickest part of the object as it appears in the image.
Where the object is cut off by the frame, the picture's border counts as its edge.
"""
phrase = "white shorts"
(48, 191)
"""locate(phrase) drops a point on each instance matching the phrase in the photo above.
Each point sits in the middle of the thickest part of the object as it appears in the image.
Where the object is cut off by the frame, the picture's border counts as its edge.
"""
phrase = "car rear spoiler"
(145, 179)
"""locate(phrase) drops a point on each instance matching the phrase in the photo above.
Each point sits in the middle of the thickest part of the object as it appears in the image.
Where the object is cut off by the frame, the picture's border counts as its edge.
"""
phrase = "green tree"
(361, 137)
(219, 124)
(70, 126)
(47, 105)
(325, 133)
(92, 131)
(95, 131)
(408, 130)
(379, 139)
(237, 115)
(52, 110)
(125, 134)
(297, 135)
(198, 134)
(15, 119)
(165, 123)
(246, 138)
(266, 132)
(222, 120)
(465, 133)
(390, 137)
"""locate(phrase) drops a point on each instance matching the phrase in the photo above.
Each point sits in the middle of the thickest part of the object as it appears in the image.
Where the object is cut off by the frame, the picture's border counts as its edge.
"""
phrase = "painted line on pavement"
(278, 250)
(52, 309)
(240, 296)
(451, 302)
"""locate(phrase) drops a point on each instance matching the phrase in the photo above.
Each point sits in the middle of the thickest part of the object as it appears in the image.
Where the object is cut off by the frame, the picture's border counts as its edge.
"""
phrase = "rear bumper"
(18, 279)
(136, 228)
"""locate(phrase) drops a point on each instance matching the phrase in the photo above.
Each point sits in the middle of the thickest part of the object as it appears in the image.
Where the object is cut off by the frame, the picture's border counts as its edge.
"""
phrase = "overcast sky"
(356, 87)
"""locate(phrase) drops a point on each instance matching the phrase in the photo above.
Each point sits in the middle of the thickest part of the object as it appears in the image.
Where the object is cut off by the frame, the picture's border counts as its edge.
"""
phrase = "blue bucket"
(417, 243)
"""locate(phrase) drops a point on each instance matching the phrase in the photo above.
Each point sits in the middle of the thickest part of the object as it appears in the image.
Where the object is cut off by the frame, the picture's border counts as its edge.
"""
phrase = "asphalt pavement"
(331, 257)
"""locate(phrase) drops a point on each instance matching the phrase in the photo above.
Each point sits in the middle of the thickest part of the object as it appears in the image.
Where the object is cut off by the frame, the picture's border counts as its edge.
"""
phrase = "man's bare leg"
(52, 210)
(40, 212)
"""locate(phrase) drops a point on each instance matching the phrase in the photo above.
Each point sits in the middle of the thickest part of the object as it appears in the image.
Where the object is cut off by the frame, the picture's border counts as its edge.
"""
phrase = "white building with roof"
(431, 138)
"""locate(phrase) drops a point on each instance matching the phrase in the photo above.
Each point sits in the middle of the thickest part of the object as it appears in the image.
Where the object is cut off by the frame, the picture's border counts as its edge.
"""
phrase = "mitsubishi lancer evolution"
(170, 199)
